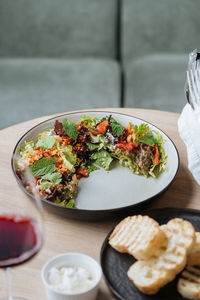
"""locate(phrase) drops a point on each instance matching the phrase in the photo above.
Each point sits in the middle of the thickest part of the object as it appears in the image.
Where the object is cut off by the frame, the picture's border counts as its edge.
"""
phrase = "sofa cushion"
(58, 28)
(154, 26)
(31, 88)
(156, 82)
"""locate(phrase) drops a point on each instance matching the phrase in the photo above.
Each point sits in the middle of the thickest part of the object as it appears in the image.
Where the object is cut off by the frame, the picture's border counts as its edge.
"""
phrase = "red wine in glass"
(20, 239)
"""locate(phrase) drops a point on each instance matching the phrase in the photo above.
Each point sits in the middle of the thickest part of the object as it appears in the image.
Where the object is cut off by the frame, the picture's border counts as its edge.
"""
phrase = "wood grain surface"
(64, 235)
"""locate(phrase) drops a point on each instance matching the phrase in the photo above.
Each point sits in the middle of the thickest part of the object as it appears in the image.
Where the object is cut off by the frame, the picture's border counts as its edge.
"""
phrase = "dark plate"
(115, 265)
(105, 195)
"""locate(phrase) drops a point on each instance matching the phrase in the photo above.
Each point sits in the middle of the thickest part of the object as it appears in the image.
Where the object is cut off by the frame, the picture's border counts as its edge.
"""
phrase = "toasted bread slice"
(151, 275)
(189, 283)
(139, 236)
(148, 277)
(193, 258)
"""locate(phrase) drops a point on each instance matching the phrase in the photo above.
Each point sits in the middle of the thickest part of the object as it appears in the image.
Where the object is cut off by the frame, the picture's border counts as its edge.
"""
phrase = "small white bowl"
(72, 259)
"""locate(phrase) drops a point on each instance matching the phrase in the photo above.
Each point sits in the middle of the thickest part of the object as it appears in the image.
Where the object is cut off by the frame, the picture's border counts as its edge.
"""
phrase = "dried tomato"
(127, 146)
(81, 172)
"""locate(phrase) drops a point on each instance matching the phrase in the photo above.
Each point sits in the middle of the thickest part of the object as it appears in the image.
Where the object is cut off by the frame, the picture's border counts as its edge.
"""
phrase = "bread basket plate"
(115, 265)
(106, 194)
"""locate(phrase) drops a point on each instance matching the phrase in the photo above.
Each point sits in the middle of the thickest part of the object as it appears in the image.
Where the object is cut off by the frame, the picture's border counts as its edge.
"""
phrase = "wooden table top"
(66, 235)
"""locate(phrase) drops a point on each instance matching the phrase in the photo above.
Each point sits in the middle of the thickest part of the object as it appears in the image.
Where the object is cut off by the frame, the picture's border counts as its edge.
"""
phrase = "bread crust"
(193, 258)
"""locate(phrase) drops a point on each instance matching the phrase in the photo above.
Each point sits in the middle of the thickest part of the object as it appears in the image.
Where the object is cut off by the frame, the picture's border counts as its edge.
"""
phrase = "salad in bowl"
(59, 157)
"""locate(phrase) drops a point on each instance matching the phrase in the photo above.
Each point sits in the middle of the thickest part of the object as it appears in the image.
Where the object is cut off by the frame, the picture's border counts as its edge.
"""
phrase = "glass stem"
(9, 283)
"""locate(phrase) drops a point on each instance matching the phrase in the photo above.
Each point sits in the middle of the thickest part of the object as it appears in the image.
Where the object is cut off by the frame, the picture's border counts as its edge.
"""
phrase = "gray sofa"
(57, 56)
(64, 55)
(157, 36)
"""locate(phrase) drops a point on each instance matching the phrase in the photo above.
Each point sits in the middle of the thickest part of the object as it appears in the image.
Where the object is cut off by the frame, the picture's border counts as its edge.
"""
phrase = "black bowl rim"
(80, 210)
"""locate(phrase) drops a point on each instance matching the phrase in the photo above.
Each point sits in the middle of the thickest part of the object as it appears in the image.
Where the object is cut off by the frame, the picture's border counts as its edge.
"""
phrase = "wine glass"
(20, 231)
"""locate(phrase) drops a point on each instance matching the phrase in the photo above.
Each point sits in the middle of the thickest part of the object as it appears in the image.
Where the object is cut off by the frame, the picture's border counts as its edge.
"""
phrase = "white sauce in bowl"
(70, 279)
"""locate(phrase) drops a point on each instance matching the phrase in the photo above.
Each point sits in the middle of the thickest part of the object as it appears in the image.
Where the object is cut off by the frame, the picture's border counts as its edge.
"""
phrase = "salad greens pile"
(63, 155)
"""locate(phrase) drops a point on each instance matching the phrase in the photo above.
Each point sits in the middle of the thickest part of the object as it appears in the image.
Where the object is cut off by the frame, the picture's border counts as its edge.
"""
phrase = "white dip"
(70, 279)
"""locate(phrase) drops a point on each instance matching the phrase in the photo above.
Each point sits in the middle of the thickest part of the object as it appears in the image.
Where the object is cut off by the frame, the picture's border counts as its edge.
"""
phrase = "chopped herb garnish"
(141, 129)
(147, 139)
(117, 128)
(56, 177)
(44, 166)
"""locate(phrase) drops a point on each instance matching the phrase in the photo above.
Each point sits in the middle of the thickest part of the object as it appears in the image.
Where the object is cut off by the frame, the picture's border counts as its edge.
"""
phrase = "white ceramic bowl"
(72, 259)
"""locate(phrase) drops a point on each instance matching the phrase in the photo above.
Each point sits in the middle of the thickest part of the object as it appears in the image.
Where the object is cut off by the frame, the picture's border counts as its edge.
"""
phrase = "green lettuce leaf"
(159, 139)
(91, 167)
(90, 123)
(68, 203)
(102, 158)
(28, 149)
(46, 143)
(69, 155)
(92, 146)
(69, 159)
